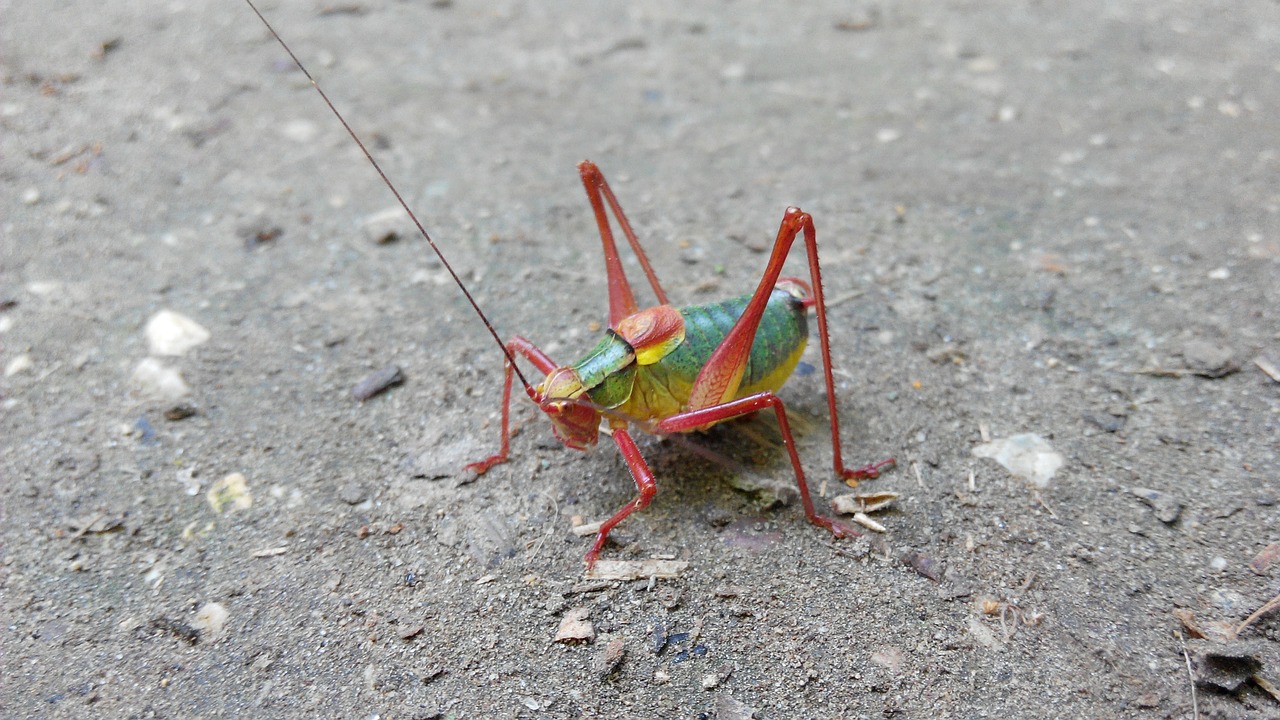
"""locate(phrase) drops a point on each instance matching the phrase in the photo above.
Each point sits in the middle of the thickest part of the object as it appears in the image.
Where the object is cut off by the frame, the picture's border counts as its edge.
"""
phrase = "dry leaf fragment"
(1188, 620)
(575, 626)
(1025, 455)
(863, 502)
(1263, 560)
(609, 657)
(924, 565)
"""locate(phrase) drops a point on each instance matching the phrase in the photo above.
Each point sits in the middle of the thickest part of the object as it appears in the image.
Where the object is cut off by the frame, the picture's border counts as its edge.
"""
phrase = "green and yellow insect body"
(645, 368)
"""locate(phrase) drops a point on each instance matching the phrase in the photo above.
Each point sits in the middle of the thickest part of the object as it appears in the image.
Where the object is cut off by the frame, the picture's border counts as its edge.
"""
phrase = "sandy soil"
(1058, 219)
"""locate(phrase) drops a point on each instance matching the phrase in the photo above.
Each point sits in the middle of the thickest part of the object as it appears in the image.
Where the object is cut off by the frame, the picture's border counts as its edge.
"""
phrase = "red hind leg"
(720, 378)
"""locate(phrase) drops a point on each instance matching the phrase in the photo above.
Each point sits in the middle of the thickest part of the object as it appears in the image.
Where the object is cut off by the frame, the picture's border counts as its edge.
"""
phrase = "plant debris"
(849, 504)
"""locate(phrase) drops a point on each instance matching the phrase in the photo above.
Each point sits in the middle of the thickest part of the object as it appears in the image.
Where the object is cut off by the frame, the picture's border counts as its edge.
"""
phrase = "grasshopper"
(665, 369)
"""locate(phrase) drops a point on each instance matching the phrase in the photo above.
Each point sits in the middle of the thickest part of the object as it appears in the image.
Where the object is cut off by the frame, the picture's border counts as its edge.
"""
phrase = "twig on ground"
(1270, 605)
(1195, 700)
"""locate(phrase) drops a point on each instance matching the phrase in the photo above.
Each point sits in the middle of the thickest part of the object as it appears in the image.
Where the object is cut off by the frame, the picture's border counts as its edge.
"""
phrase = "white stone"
(153, 379)
(211, 619)
(170, 333)
(1027, 456)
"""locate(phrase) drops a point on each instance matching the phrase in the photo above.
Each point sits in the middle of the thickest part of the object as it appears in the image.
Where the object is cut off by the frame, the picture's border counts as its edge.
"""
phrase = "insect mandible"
(665, 369)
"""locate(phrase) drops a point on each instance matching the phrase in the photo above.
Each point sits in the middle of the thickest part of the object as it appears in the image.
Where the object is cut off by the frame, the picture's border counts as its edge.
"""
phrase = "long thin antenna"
(387, 181)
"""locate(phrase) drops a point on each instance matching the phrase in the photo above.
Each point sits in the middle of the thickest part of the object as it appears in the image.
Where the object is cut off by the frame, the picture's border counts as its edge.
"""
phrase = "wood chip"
(1268, 366)
(636, 569)
(271, 552)
(865, 521)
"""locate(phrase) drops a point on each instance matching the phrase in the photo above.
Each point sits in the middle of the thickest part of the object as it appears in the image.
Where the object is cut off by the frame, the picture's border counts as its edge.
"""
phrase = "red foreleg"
(515, 346)
(644, 482)
(692, 419)
(622, 300)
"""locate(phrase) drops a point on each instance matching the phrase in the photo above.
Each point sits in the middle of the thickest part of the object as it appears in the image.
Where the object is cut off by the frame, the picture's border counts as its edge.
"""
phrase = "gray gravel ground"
(1058, 219)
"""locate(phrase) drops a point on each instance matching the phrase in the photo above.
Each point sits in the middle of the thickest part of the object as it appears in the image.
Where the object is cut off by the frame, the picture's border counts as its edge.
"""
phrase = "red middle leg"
(644, 482)
(693, 419)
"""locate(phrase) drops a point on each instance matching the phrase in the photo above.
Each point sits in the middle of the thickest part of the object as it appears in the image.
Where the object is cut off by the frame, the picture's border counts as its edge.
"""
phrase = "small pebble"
(181, 411)
(1209, 359)
(377, 382)
(212, 620)
(713, 680)
(300, 131)
(30, 196)
(22, 363)
(230, 493)
(1166, 506)
(352, 494)
(1218, 564)
(888, 135)
(387, 226)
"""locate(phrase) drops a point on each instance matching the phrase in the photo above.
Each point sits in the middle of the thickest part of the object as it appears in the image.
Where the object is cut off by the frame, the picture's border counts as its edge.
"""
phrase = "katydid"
(666, 369)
